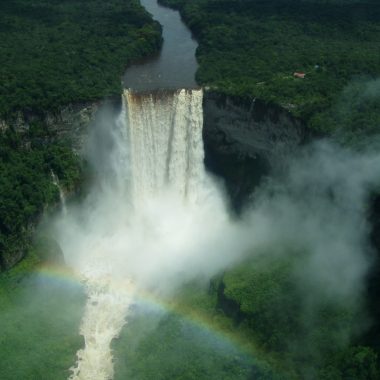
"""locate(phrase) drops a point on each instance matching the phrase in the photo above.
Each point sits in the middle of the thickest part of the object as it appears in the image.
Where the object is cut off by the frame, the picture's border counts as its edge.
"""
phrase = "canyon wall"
(246, 139)
(69, 122)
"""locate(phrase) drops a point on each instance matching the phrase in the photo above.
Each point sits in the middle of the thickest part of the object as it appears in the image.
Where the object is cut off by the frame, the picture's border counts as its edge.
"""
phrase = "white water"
(62, 197)
(152, 227)
(166, 147)
(105, 314)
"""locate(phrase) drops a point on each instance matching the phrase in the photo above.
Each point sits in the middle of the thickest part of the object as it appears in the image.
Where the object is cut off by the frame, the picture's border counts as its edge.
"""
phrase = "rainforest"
(189, 189)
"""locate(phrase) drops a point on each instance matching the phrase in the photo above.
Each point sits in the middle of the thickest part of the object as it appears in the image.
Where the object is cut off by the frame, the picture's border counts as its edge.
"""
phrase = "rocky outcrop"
(70, 122)
(246, 139)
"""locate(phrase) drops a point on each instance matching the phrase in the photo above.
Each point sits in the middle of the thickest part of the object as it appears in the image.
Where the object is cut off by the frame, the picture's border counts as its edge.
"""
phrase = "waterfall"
(142, 225)
(62, 197)
(165, 139)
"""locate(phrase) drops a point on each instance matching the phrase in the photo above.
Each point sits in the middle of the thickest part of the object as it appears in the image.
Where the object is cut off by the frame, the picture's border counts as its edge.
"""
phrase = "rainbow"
(209, 324)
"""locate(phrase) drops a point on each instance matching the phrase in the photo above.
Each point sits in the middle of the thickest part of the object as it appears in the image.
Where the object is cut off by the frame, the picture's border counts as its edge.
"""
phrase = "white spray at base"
(154, 221)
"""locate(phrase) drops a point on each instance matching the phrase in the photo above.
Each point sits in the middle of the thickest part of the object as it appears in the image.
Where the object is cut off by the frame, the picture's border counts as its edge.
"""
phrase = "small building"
(299, 75)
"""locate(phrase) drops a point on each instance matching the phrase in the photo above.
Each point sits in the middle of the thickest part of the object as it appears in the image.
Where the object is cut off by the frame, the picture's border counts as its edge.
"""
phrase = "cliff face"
(245, 140)
(68, 123)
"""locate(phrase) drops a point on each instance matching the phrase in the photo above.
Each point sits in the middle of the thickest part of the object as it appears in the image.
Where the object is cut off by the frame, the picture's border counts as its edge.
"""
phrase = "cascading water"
(144, 229)
(156, 144)
(165, 136)
(62, 197)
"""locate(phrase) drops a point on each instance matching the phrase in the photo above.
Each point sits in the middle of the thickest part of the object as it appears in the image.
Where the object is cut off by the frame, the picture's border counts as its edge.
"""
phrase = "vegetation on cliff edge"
(253, 48)
(27, 165)
(58, 52)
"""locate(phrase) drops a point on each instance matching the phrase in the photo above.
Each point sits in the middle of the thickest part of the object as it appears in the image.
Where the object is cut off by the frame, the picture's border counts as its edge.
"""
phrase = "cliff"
(40, 144)
(69, 123)
(246, 139)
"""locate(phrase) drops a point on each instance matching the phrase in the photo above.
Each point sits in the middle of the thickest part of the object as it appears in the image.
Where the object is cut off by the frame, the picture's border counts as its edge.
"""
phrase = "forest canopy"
(253, 48)
(54, 52)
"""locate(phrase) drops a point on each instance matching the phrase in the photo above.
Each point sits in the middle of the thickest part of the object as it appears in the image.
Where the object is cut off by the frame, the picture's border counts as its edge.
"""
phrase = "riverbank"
(252, 49)
(175, 64)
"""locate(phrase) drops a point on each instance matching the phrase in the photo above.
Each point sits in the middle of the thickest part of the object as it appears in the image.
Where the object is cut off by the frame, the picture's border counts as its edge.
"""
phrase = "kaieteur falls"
(150, 220)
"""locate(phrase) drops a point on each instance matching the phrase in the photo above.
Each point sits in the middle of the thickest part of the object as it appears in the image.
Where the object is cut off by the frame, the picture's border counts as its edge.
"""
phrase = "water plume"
(150, 221)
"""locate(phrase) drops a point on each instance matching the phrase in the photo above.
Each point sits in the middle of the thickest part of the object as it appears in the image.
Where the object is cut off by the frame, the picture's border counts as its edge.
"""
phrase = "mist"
(154, 220)
(159, 237)
(319, 205)
(40, 317)
(314, 218)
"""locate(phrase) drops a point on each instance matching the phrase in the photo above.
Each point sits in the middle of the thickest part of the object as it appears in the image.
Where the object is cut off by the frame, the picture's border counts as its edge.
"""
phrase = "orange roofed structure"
(299, 75)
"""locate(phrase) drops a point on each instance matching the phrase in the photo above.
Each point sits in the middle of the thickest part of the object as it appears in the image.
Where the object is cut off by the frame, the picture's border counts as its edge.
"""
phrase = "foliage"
(56, 52)
(176, 349)
(252, 48)
(39, 324)
(356, 114)
(280, 333)
(188, 338)
(307, 334)
(354, 363)
(26, 187)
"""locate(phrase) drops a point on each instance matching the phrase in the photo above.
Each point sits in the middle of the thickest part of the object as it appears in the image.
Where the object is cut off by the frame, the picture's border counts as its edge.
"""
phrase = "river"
(175, 66)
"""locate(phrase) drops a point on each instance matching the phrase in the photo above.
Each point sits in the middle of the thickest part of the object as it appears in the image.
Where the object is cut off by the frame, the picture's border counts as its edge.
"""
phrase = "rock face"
(68, 123)
(245, 139)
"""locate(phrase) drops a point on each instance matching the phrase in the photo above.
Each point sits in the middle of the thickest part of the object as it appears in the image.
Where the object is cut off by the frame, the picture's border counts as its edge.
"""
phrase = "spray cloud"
(155, 218)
